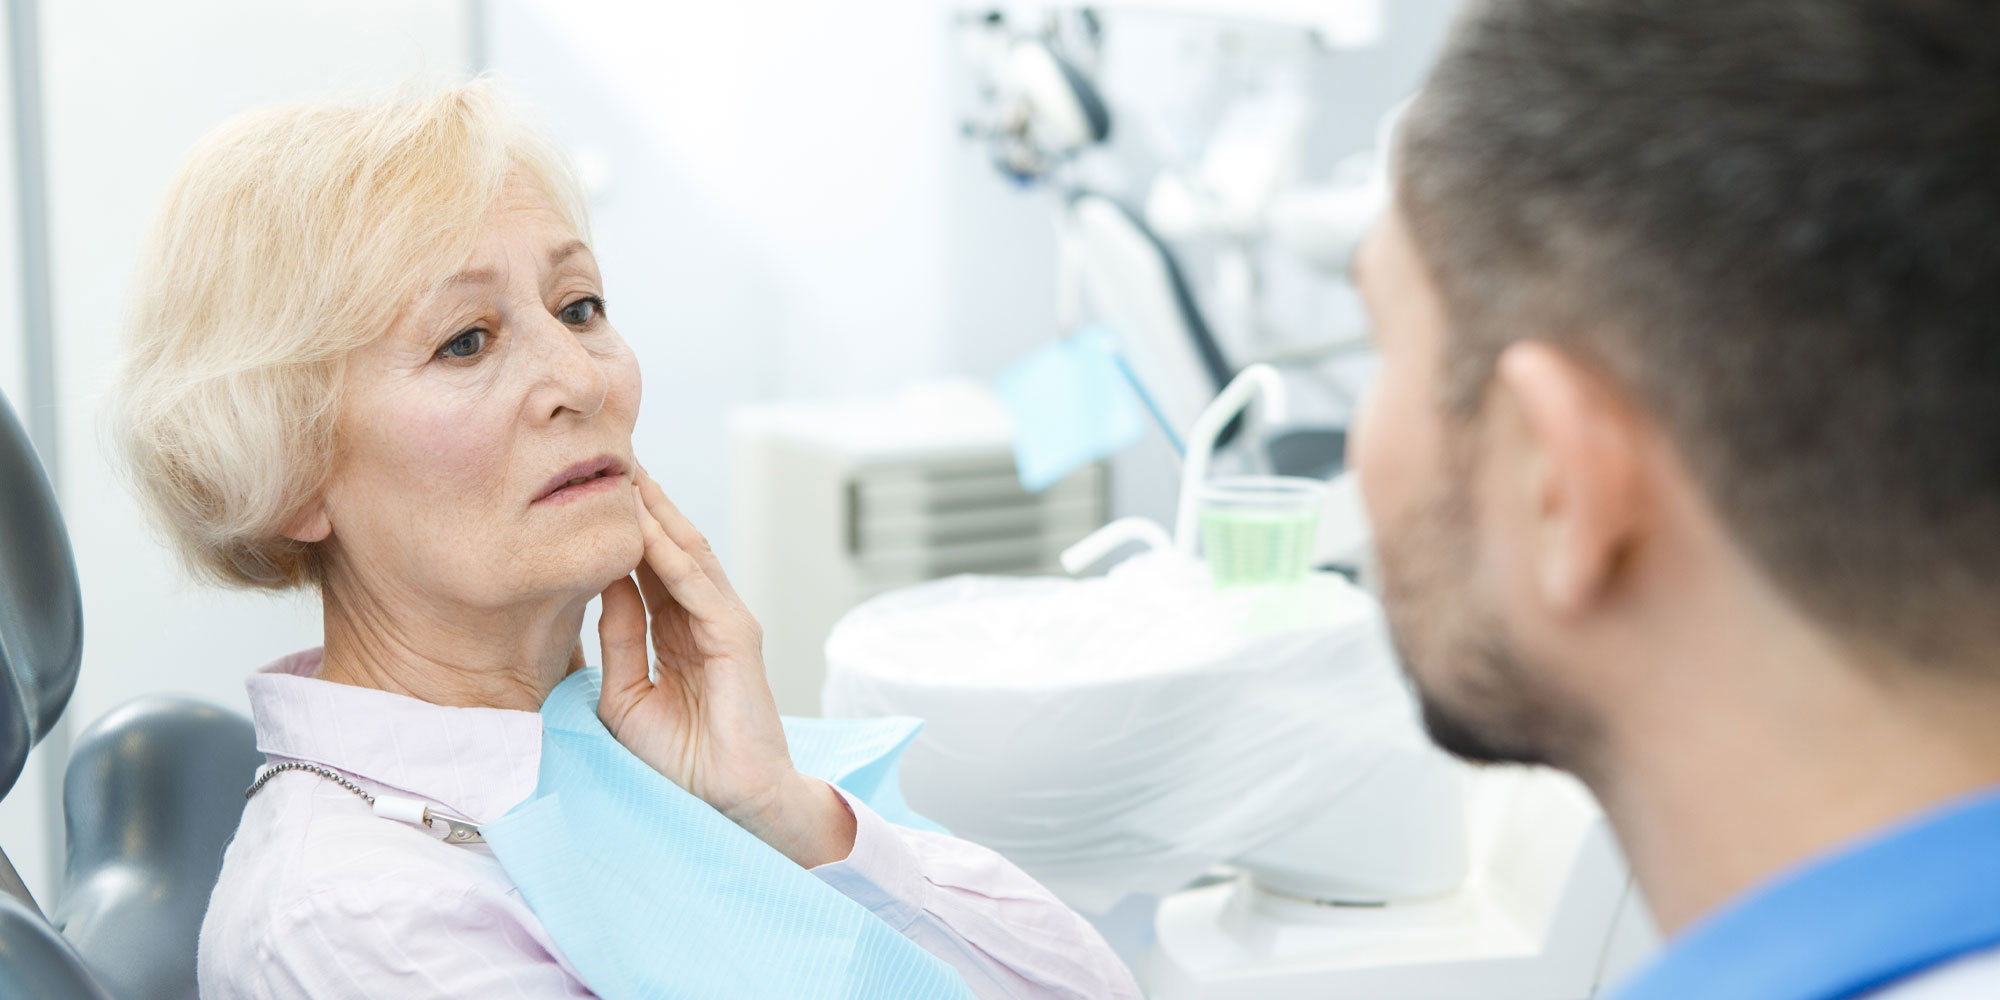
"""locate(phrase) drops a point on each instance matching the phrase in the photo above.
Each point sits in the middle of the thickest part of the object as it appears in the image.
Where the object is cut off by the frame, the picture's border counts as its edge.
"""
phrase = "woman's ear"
(310, 524)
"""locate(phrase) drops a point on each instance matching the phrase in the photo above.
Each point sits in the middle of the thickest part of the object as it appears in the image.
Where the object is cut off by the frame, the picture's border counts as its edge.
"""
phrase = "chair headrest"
(41, 607)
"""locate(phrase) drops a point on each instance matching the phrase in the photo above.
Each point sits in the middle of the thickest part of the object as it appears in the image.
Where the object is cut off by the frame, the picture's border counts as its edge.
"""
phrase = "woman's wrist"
(805, 821)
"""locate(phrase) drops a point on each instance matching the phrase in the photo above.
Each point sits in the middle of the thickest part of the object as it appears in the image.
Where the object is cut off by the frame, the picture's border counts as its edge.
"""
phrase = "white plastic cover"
(1126, 733)
(400, 809)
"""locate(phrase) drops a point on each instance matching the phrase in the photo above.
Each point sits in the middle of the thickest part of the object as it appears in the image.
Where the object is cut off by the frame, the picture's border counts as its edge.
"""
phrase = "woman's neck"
(464, 657)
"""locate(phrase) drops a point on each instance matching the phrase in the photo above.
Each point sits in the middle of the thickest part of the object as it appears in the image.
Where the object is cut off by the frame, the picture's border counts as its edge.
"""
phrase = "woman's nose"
(568, 377)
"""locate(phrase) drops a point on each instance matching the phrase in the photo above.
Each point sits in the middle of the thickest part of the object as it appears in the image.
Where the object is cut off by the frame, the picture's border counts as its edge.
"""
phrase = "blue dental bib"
(651, 893)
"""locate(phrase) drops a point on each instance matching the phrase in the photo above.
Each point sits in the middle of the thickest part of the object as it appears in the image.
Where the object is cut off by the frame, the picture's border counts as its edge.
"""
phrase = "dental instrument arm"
(1201, 440)
(1102, 542)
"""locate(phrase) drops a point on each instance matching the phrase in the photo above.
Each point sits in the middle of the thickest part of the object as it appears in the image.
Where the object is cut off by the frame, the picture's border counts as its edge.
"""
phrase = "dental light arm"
(1040, 109)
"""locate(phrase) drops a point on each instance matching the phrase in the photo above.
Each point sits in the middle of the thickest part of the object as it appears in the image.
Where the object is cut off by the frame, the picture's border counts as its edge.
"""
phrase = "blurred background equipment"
(1121, 736)
(1547, 911)
(836, 503)
(1207, 764)
(1208, 231)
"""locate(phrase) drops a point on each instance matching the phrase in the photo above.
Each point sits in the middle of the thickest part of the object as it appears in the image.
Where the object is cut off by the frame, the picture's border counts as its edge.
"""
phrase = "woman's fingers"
(621, 635)
(651, 588)
(684, 579)
(681, 530)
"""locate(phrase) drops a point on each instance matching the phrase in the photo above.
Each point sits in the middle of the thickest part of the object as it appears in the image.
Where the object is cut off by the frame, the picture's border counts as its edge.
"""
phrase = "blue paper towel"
(1071, 404)
(651, 893)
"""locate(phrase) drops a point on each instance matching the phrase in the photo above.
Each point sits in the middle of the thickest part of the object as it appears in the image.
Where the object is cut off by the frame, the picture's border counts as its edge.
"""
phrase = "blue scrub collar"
(1895, 903)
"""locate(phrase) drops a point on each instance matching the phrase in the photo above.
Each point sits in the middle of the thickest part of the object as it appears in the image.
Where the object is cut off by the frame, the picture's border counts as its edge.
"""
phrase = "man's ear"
(309, 524)
(1582, 490)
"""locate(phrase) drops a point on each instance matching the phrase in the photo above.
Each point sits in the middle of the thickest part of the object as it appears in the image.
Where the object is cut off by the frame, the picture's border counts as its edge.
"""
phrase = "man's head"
(1682, 296)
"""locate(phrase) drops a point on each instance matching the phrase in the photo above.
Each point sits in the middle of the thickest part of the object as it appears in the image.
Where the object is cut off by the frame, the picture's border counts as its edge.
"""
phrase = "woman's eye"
(464, 345)
(582, 311)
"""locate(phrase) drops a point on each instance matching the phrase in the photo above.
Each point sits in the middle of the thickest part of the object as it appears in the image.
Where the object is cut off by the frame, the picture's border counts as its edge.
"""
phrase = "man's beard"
(1481, 700)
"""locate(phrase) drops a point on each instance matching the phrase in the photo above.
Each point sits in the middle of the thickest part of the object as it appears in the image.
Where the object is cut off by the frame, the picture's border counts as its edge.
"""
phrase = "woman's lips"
(590, 487)
(582, 480)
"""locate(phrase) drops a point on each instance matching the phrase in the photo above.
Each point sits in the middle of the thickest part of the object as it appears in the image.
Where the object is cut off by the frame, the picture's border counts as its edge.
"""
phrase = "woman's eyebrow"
(487, 275)
(475, 276)
(566, 251)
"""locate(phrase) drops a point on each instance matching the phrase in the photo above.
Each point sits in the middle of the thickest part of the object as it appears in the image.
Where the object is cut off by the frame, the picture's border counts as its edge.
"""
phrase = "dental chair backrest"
(152, 792)
(41, 611)
(1139, 286)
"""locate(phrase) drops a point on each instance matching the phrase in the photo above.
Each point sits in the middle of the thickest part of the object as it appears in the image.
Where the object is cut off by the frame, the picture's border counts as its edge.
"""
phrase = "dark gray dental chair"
(153, 791)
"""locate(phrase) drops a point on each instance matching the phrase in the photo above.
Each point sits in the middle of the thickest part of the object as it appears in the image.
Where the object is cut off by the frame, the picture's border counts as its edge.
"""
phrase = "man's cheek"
(1382, 453)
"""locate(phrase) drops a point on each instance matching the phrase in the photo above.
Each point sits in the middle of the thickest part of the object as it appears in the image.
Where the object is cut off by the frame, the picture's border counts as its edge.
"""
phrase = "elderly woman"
(370, 356)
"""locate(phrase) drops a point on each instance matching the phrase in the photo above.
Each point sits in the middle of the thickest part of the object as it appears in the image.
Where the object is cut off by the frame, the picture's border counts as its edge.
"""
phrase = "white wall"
(128, 87)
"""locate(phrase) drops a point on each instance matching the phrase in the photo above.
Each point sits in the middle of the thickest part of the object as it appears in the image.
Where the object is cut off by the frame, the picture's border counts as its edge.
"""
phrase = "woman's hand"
(708, 722)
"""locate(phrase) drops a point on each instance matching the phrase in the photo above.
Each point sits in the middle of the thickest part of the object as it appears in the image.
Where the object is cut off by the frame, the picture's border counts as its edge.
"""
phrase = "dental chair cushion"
(153, 792)
(36, 962)
(41, 609)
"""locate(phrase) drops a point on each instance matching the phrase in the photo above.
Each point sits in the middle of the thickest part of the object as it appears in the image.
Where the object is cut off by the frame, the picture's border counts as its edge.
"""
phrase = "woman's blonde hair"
(292, 236)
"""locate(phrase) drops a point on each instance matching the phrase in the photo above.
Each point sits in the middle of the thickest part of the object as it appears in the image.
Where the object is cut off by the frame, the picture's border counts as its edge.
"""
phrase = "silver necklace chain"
(299, 765)
(457, 831)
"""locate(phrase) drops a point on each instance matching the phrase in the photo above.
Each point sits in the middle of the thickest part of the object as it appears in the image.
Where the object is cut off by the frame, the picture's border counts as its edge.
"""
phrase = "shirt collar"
(475, 762)
(1892, 904)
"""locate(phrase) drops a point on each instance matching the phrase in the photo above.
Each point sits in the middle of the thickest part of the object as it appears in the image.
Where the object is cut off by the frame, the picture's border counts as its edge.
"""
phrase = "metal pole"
(477, 31)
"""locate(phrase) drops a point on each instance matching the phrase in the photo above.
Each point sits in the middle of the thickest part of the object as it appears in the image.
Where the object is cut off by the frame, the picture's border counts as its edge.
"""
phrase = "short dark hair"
(1777, 223)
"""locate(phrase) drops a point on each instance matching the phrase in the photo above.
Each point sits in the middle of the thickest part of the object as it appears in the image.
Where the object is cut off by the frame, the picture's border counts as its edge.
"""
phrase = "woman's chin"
(588, 565)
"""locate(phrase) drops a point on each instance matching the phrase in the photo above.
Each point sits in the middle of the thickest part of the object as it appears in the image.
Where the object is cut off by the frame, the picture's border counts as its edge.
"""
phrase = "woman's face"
(463, 430)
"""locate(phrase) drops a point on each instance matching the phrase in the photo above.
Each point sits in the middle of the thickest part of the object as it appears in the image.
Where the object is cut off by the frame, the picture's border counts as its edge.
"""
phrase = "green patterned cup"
(1260, 530)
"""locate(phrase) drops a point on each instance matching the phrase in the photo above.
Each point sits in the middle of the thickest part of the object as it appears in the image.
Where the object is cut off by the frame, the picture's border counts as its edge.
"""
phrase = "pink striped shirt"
(320, 898)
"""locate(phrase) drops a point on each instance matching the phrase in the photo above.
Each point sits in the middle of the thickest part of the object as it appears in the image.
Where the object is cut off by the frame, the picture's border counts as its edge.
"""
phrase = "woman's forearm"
(807, 822)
